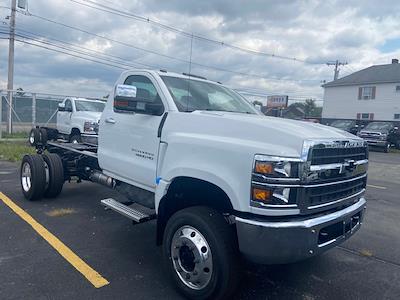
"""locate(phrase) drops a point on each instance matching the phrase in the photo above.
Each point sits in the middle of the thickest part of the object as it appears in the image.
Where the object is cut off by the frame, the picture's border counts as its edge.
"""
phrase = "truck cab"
(78, 118)
(224, 182)
(162, 131)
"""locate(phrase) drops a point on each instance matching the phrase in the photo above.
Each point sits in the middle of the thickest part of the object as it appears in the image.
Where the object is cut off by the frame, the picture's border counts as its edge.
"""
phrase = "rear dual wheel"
(56, 175)
(41, 175)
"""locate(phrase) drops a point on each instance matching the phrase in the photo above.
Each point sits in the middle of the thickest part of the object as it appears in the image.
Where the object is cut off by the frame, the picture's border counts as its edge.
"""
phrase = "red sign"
(277, 101)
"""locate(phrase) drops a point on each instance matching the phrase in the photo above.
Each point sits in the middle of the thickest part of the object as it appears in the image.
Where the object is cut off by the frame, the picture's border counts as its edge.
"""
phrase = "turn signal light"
(261, 195)
(264, 167)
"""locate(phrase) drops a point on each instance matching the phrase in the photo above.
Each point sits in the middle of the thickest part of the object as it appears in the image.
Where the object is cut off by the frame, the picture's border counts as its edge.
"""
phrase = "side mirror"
(61, 106)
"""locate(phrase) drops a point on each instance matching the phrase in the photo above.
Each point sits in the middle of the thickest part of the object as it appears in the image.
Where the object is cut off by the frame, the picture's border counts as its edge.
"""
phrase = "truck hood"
(89, 115)
(376, 132)
(267, 135)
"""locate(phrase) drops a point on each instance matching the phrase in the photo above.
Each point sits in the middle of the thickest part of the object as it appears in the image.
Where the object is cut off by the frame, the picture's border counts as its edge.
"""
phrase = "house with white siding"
(369, 94)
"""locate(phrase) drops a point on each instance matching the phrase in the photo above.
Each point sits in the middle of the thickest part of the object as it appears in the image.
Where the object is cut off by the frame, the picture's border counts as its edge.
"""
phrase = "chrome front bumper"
(290, 241)
(377, 143)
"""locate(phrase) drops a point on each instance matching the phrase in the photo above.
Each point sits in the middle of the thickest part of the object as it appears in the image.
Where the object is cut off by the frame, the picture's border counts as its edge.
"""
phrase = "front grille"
(318, 196)
(321, 156)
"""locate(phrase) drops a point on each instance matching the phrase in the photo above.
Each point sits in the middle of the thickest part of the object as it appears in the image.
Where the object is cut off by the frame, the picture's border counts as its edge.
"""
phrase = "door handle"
(110, 121)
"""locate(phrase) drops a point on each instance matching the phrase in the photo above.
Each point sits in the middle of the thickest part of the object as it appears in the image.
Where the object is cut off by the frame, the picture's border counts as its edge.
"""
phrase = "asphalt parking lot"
(365, 267)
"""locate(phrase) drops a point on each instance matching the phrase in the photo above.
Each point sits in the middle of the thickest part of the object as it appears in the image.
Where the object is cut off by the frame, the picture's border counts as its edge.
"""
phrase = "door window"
(68, 105)
(146, 96)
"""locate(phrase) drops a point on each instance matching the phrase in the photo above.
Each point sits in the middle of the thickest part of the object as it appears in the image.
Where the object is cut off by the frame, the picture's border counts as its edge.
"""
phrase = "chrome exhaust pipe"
(99, 177)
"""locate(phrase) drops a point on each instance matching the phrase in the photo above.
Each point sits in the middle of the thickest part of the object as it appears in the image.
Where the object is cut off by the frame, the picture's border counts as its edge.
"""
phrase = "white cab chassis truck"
(224, 182)
(78, 119)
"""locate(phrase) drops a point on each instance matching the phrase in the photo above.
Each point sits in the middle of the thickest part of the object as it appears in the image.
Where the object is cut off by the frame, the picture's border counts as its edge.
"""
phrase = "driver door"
(64, 118)
(128, 141)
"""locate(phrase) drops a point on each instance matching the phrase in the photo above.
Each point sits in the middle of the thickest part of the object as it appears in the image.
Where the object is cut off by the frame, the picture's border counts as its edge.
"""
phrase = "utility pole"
(10, 83)
(336, 63)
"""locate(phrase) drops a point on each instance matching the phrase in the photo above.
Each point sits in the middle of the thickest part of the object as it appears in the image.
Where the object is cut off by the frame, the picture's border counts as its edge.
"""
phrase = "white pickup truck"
(78, 118)
(224, 182)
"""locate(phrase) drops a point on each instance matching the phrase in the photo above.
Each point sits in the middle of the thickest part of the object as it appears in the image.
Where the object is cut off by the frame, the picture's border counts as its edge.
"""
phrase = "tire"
(398, 144)
(56, 175)
(216, 272)
(43, 136)
(75, 138)
(386, 149)
(34, 137)
(33, 177)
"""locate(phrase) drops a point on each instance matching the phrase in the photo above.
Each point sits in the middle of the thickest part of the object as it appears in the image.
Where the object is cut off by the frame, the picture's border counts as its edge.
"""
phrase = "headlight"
(90, 126)
(272, 179)
(276, 167)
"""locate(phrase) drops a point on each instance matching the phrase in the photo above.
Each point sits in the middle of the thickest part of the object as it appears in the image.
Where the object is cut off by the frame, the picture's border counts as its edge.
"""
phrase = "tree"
(310, 108)
(256, 102)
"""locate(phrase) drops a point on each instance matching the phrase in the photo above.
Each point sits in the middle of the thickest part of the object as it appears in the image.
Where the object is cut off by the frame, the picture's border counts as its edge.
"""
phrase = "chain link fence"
(27, 109)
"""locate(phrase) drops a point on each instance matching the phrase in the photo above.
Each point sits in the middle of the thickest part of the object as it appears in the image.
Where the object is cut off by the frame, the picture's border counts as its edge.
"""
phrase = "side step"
(137, 213)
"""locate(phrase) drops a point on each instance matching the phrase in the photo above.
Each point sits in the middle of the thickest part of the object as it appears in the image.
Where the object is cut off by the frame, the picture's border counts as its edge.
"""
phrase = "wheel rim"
(191, 257)
(32, 138)
(26, 177)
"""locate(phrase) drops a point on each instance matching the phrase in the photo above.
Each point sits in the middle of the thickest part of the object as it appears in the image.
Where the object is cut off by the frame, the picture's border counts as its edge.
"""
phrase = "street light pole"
(10, 83)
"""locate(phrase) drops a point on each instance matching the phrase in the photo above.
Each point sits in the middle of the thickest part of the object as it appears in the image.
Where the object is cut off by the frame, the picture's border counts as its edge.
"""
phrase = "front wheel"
(201, 253)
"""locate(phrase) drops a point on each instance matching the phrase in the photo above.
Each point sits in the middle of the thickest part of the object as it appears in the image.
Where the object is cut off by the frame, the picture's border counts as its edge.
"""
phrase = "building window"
(366, 92)
(397, 116)
(365, 116)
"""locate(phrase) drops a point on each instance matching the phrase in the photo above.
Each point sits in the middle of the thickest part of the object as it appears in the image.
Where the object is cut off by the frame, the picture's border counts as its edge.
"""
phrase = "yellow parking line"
(94, 278)
(377, 186)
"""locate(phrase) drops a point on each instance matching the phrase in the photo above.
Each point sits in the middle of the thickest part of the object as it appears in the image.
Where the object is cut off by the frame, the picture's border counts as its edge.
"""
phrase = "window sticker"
(128, 91)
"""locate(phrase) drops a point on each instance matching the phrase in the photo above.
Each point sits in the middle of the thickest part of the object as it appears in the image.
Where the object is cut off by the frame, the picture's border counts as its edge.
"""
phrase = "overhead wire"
(168, 56)
(128, 14)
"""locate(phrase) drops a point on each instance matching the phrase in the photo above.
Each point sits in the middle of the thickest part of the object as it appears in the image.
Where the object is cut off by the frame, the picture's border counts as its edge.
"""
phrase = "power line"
(167, 56)
(21, 39)
(293, 95)
(122, 60)
(131, 15)
(164, 55)
(117, 64)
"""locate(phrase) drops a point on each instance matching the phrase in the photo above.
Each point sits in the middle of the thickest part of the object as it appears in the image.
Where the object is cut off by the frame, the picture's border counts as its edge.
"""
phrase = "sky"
(306, 33)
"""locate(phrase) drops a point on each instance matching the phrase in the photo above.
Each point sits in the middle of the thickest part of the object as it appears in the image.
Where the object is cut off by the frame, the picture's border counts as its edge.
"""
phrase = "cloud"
(314, 31)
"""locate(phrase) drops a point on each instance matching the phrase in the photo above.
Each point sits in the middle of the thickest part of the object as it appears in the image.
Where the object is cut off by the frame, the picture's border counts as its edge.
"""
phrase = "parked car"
(381, 134)
(78, 118)
(346, 125)
(223, 181)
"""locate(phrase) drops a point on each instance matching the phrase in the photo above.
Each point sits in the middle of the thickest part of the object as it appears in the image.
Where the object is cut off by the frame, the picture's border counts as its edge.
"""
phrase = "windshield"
(342, 124)
(379, 126)
(82, 105)
(190, 95)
